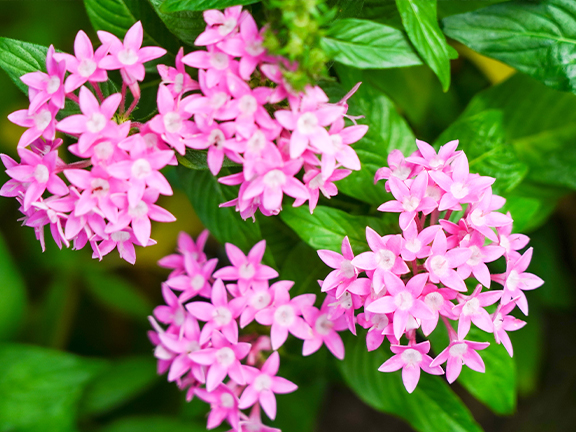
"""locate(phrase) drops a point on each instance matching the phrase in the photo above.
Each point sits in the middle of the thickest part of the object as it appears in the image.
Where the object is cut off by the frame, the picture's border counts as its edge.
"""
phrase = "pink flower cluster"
(200, 357)
(112, 190)
(240, 86)
(415, 278)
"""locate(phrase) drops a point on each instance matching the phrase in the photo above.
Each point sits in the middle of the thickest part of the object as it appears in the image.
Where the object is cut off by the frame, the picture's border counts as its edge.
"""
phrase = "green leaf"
(170, 6)
(482, 138)
(387, 131)
(119, 383)
(18, 58)
(421, 24)
(117, 294)
(197, 160)
(152, 424)
(117, 16)
(453, 7)
(12, 293)
(304, 267)
(346, 8)
(383, 12)
(40, 388)
(57, 312)
(537, 38)
(185, 25)
(327, 227)
(496, 387)
(541, 125)
(432, 407)
(368, 45)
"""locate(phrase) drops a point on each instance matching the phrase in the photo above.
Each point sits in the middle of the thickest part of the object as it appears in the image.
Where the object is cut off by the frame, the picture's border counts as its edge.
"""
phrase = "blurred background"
(64, 300)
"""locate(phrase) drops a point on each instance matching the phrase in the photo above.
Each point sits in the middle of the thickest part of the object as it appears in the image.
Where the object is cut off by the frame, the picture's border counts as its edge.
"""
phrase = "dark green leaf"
(170, 6)
(432, 407)
(537, 38)
(387, 131)
(304, 267)
(12, 293)
(497, 386)
(117, 16)
(383, 12)
(185, 25)
(57, 312)
(346, 8)
(117, 384)
(152, 424)
(196, 159)
(421, 24)
(482, 138)
(18, 58)
(118, 294)
(327, 227)
(40, 388)
(368, 45)
(454, 7)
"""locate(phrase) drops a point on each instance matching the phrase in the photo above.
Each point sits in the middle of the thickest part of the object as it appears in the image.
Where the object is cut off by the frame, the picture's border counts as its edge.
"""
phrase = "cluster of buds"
(415, 278)
(239, 114)
(199, 358)
(112, 190)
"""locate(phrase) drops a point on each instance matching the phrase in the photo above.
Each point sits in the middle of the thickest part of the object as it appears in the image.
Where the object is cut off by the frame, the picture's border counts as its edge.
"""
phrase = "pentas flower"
(379, 326)
(480, 255)
(344, 274)
(460, 352)
(223, 406)
(315, 184)
(439, 302)
(482, 218)
(83, 65)
(411, 359)
(397, 167)
(416, 243)
(254, 422)
(171, 313)
(195, 280)
(341, 151)
(123, 240)
(471, 309)
(42, 122)
(263, 384)
(177, 79)
(220, 25)
(504, 323)
(429, 159)
(441, 263)
(324, 331)
(258, 299)
(511, 242)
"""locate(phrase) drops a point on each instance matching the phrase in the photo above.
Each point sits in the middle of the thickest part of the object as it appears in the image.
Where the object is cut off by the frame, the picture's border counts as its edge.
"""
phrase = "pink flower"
(223, 406)
(217, 64)
(173, 313)
(218, 315)
(247, 270)
(315, 184)
(324, 331)
(438, 300)
(223, 358)
(284, 315)
(409, 200)
(411, 359)
(460, 352)
(416, 244)
(39, 173)
(511, 242)
(399, 168)
(83, 66)
(50, 86)
(504, 323)
(195, 280)
(187, 248)
(430, 160)
(220, 25)
(95, 122)
(471, 308)
(254, 422)
(480, 255)
(128, 56)
(263, 383)
(42, 122)
(124, 240)
(384, 258)
(341, 151)
(403, 301)
(481, 216)
(441, 263)
(379, 326)
(258, 299)
(344, 274)
(176, 79)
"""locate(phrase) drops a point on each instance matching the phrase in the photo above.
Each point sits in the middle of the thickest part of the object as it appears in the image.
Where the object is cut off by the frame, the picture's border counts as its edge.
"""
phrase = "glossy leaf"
(18, 58)
(197, 160)
(368, 45)
(40, 388)
(185, 25)
(304, 267)
(387, 131)
(152, 424)
(453, 7)
(432, 407)
(12, 293)
(170, 6)
(537, 38)
(421, 24)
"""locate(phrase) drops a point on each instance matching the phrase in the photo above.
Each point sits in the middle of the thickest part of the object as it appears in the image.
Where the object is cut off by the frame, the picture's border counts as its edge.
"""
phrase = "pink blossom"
(399, 168)
(324, 331)
(471, 308)
(411, 359)
(438, 300)
(124, 240)
(441, 263)
(49, 86)
(50, 211)
(217, 64)
(341, 151)
(173, 313)
(460, 352)
(263, 384)
(218, 315)
(254, 422)
(177, 79)
(195, 280)
(344, 274)
(223, 358)
(345, 306)
(511, 242)
(83, 65)
(416, 244)
(481, 216)
(430, 160)
(480, 255)
(223, 406)
(248, 270)
(220, 25)
(186, 247)
(379, 326)
(258, 299)
(315, 184)
(42, 122)
(504, 323)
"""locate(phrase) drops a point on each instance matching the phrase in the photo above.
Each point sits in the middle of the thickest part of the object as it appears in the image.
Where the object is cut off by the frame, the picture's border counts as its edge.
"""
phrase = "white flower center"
(323, 325)
(178, 82)
(458, 350)
(179, 317)
(221, 316)
(227, 27)
(197, 282)
(476, 257)
(410, 203)
(284, 315)
(127, 57)
(505, 243)
(411, 357)
(219, 60)
(120, 236)
(225, 356)
(246, 271)
(218, 100)
(433, 192)
(434, 300)
(256, 143)
(53, 84)
(255, 48)
(86, 68)
(436, 162)
(413, 245)
(345, 301)
(402, 172)
(41, 173)
(513, 280)
(216, 138)
(139, 210)
(316, 182)
(404, 300)
(103, 150)
(385, 259)
(459, 190)
(192, 346)
(307, 123)
(471, 307)
(347, 269)
(226, 400)
(379, 321)
(100, 187)
(336, 142)
(260, 300)
(96, 122)
(478, 218)
(162, 353)
(141, 169)
(439, 265)
(274, 179)
(42, 119)
(172, 122)
(248, 105)
(262, 382)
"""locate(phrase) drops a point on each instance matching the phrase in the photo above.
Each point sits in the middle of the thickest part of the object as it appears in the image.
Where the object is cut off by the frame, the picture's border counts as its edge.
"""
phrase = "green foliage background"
(73, 349)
